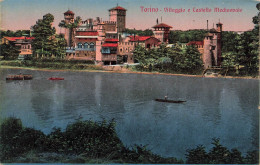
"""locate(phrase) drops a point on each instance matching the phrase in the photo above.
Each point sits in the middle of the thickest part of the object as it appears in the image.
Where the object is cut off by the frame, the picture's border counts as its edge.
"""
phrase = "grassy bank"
(53, 64)
(96, 142)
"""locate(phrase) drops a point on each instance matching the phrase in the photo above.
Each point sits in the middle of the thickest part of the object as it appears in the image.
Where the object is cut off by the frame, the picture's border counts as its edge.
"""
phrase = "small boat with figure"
(19, 77)
(56, 78)
(170, 101)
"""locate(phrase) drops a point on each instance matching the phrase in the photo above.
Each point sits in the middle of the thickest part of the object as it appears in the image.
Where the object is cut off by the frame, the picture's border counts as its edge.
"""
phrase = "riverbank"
(97, 142)
(124, 70)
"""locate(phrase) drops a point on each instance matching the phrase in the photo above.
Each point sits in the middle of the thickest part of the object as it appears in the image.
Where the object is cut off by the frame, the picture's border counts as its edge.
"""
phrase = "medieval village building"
(105, 43)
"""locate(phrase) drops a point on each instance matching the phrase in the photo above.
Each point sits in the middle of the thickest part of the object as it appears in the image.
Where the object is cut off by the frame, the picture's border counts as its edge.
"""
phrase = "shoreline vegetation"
(97, 142)
(91, 67)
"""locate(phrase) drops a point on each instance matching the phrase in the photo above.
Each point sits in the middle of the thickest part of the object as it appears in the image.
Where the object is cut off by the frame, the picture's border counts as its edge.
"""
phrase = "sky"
(22, 14)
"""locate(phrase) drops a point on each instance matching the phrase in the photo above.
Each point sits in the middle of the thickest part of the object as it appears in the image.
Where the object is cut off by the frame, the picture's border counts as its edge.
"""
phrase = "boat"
(19, 77)
(170, 101)
(56, 78)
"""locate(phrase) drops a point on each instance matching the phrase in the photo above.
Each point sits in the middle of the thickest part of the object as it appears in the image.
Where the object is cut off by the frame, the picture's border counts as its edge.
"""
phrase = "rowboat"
(56, 78)
(170, 101)
(19, 77)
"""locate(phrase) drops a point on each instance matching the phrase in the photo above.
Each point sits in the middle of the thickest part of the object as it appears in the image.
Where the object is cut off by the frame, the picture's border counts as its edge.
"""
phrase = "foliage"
(53, 63)
(186, 36)
(46, 42)
(9, 52)
(17, 33)
(219, 154)
(87, 139)
(169, 59)
(229, 59)
(146, 32)
(98, 140)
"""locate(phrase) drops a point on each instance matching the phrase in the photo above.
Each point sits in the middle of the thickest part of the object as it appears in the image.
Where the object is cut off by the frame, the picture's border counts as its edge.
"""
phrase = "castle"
(103, 42)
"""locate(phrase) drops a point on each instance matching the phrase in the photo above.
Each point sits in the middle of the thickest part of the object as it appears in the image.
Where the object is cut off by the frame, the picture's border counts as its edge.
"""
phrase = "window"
(85, 45)
(92, 46)
(79, 45)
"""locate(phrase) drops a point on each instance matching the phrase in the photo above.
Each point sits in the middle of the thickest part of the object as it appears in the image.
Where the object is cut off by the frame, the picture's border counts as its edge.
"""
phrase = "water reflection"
(224, 108)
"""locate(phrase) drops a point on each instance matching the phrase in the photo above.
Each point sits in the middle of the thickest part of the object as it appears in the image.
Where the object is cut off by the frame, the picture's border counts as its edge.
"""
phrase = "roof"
(111, 40)
(117, 8)
(220, 23)
(109, 45)
(19, 38)
(86, 33)
(69, 12)
(213, 30)
(209, 34)
(195, 43)
(162, 25)
(139, 38)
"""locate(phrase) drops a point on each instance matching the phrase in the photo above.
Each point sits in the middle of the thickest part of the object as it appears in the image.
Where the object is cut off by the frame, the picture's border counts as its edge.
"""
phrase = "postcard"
(130, 81)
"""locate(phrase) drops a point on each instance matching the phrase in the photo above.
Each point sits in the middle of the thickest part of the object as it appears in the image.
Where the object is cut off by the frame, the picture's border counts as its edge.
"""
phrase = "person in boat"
(166, 97)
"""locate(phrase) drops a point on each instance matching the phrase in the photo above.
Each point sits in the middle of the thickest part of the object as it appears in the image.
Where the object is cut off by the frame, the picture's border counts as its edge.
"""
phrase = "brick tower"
(161, 31)
(68, 18)
(118, 14)
(212, 47)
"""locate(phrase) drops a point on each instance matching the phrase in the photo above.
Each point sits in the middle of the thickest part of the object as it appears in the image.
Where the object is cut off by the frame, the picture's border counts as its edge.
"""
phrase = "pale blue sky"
(22, 14)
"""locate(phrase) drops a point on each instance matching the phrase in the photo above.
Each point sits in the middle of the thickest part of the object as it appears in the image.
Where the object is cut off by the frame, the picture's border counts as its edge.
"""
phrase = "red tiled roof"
(162, 25)
(139, 38)
(117, 8)
(69, 12)
(109, 45)
(19, 38)
(195, 43)
(111, 40)
(83, 33)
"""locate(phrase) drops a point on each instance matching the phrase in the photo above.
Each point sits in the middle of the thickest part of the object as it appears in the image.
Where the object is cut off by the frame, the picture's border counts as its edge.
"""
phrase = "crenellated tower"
(118, 15)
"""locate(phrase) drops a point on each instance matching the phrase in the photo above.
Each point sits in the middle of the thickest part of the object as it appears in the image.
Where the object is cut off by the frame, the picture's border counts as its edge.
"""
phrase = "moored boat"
(19, 77)
(56, 78)
(170, 101)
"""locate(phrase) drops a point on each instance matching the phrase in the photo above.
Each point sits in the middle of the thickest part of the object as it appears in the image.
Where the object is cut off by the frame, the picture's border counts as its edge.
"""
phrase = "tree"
(218, 154)
(46, 42)
(191, 59)
(71, 26)
(9, 52)
(197, 155)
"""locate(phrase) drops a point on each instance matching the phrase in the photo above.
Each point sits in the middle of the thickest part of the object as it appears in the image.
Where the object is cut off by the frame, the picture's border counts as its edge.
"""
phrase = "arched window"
(85, 45)
(92, 46)
(79, 45)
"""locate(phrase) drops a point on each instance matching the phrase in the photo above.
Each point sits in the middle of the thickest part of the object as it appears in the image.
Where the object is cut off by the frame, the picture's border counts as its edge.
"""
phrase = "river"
(215, 107)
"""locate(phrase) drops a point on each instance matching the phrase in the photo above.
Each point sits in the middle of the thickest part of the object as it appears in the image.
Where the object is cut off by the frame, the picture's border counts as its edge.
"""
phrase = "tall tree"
(46, 42)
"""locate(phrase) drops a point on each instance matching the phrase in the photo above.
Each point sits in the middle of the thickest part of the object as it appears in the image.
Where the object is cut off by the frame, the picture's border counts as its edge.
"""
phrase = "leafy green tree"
(46, 42)
(9, 52)
(71, 26)
(252, 157)
(197, 155)
(218, 154)
(191, 59)
(44, 35)
(235, 157)
(140, 54)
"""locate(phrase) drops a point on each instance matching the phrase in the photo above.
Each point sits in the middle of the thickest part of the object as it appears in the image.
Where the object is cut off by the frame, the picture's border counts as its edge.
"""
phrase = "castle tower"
(208, 54)
(212, 47)
(69, 18)
(219, 44)
(161, 31)
(118, 14)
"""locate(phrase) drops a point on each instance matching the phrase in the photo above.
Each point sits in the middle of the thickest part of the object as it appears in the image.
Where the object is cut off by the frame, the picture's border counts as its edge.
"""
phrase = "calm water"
(222, 108)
